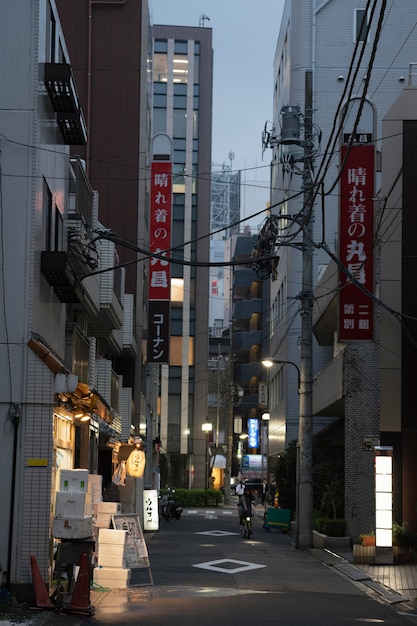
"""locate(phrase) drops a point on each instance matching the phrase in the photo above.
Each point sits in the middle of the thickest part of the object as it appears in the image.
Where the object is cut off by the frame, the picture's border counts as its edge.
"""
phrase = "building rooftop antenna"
(203, 18)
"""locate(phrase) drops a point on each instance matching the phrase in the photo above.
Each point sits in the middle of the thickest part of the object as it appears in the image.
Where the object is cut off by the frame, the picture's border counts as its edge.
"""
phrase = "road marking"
(215, 533)
(204, 512)
(244, 566)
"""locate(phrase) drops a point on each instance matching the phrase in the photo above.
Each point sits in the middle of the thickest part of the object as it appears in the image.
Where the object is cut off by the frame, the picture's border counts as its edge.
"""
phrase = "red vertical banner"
(159, 266)
(356, 244)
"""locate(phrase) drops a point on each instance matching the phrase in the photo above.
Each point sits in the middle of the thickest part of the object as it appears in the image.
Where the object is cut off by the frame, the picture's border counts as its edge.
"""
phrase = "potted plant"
(404, 541)
(367, 539)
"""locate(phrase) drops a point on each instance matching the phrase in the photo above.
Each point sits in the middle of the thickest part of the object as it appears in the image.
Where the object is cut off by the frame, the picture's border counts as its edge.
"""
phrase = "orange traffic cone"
(80, 600)
(43, 601)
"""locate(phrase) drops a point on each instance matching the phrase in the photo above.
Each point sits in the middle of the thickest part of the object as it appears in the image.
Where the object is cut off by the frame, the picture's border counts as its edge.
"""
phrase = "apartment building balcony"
(112, 285)
(244, 342)
(243, 280)
(82, 196)
(60, 85)
(58, 271)
(244, 309)
(244, 372)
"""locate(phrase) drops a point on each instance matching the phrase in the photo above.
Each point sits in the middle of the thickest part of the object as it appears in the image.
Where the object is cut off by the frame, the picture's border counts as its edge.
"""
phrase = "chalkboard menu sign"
(136, 549)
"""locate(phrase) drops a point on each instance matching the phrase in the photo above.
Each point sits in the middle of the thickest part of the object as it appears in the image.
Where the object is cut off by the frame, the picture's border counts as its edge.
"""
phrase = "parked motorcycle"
(170, 509)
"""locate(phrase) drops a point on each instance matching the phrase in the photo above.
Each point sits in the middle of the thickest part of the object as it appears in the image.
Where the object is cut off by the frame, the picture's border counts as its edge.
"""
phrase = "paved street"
(205, 573)
(202, 572)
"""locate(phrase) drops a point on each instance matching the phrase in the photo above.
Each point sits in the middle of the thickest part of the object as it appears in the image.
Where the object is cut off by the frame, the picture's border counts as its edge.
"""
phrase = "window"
(159, 68)
(160, 45)
(177, 290)
(49, 218)
(52, 37)
(180, 47)
(180, 102)
(360, 25)
(179, 123)
(180, 68)
(160, 101)
(159, 121)
(59, 230)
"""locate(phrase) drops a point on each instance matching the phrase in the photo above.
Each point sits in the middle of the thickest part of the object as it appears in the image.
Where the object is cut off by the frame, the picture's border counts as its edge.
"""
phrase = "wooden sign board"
(136, 549)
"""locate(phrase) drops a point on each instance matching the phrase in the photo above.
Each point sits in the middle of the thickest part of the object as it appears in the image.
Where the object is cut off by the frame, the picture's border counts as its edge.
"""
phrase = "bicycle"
(246, 524)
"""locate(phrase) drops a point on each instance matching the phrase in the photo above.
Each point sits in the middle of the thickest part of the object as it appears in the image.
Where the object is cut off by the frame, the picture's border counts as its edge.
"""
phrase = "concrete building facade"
(61, 322)
(371, 52)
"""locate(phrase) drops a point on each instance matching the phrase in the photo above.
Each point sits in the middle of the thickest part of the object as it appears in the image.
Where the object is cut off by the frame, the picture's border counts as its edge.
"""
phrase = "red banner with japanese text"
(159, 266)
(356, 244)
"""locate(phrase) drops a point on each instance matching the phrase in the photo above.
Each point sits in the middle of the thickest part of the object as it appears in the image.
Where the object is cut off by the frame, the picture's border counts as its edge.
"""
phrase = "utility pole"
(229, 458)
(305, 424)
(265, 261)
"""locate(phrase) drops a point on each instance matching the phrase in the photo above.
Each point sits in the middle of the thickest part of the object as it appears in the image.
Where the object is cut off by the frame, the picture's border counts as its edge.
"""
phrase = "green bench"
(279, 519)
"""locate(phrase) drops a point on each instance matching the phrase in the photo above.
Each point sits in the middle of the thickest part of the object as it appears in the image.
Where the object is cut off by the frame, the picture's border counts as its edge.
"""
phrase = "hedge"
(196, 497)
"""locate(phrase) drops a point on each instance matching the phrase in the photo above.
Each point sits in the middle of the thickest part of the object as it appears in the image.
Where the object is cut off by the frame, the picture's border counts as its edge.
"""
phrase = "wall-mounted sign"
(253, 433)
(160, 224)
(356, 236)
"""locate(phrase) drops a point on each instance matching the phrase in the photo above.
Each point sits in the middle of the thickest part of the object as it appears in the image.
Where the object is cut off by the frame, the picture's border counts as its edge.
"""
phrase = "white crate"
(112, 577)
(103, 520)
(73, 505)
(111, 549)
(111, 535)
(95, 481)
(114, 508)
(70, 528)
(95, 487)
(73, 481)
(111, 560)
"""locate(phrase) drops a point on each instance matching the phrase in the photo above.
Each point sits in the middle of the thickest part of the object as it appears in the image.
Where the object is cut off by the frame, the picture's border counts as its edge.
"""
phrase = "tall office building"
(225, 215)
(182, 108)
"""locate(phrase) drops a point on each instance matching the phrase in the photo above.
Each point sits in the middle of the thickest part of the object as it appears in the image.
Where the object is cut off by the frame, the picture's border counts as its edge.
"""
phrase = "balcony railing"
(60, 85)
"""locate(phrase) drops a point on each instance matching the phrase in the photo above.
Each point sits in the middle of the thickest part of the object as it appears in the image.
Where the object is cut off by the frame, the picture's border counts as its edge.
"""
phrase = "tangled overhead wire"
(264, 258)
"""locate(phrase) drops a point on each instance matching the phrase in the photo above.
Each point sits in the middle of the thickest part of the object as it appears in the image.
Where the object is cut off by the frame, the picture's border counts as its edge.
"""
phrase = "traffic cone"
(43, 601)
(80, 600)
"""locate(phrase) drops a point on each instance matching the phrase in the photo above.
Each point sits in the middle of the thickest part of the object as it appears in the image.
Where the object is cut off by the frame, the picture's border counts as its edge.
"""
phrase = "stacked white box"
(73, 505)
(110, 570)
(95, 487)
(73, 480)
(72, 528)
(103, 512)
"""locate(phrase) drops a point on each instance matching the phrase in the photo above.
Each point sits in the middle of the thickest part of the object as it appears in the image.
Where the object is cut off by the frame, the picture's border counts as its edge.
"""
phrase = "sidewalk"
(394, 583)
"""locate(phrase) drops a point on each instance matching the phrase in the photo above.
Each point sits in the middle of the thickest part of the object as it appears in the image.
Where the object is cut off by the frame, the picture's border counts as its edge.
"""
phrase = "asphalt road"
(204, 573)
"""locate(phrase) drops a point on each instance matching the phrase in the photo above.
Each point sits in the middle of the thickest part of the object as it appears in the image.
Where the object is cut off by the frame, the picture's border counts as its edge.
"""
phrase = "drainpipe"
(14, 416)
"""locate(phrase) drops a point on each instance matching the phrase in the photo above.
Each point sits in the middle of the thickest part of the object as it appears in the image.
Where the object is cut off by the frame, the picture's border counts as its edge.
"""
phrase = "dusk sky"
(245, 35)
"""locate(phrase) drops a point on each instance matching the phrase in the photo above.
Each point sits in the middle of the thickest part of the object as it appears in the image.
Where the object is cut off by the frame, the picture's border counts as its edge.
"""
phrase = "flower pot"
(368, 540)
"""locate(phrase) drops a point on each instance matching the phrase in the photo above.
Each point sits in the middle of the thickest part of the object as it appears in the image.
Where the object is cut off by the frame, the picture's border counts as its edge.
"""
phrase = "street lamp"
(302, 449)
(270, 362)
(207, 427)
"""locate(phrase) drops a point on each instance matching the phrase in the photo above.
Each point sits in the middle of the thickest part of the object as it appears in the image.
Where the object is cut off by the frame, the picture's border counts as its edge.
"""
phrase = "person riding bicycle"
(245, 503)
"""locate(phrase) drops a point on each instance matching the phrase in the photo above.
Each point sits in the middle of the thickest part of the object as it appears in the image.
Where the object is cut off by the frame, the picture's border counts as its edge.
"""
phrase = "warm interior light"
(135, 464)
